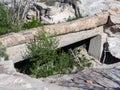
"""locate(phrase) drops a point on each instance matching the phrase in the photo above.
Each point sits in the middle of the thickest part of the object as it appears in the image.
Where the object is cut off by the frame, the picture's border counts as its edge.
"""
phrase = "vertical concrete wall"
(96, 45)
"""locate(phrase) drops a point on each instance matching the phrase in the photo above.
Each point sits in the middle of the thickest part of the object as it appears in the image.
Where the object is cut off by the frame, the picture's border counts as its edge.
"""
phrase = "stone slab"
(78, 36)
(96, 45)
(18, 53)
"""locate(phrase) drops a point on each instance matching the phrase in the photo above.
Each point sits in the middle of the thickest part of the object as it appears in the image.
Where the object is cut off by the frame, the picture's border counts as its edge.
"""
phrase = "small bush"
(6, 24)
(75, 18)
(46, 59)
(31, 24)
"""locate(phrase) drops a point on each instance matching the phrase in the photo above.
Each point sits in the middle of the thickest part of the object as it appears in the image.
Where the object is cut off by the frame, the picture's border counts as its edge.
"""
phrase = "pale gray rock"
(55, 14)
(52, 2)
(20, 82)
(88, 79)
(55, 11)
(114, 40)
(7, 67)
(33, 12)
(10, 3)
(40, 5)
(106, 78)
(91, 7)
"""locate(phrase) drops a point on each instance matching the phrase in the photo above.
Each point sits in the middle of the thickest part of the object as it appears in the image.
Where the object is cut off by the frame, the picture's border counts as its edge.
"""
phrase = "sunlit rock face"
(88, 7)
(60, 12)
(114, 40)
(91, 7)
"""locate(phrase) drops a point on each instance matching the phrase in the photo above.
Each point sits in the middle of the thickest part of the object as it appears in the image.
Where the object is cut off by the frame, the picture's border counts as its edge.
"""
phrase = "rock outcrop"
(114, 40)
(55, 14)
(106, 78)
(95, 79)
(91, 7)
(7, 67)
(77, 8)
(55, 11)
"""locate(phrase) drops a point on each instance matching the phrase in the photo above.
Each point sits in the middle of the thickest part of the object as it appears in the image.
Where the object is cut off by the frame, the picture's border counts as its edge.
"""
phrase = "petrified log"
(13, 39)
(113, 40)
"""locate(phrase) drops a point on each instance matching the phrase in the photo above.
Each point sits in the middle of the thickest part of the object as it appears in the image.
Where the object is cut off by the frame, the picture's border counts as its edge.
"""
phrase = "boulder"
(56, 11)
(55, 14)
(106, 78)
(114, 40)
(10, 3)
(87, 7)
(32, 13)
(20, 82)
(90, 78)
(91, 7)
(7, 67)
(52, 2)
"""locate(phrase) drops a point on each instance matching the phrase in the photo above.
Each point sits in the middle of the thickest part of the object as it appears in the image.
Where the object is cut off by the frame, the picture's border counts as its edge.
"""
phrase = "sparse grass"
(41, 0)
(72, 19)
(32, 24)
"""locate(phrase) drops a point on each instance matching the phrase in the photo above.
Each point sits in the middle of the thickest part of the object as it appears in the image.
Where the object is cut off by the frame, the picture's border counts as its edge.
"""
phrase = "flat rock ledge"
(104, 78)
(107, 78)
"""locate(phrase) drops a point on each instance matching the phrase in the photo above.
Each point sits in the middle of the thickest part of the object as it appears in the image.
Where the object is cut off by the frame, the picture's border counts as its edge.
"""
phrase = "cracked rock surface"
(106, 77)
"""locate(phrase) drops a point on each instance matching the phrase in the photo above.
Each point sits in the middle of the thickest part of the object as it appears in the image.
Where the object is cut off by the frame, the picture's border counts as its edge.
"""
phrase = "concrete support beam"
(96, 45)
(18, 53)
(71, 38)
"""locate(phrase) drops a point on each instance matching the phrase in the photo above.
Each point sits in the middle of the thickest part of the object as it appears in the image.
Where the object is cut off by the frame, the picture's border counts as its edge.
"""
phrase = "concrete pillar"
(96, 45)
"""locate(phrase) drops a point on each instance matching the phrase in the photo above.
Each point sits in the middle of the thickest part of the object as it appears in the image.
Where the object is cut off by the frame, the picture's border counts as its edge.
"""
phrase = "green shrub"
(46, 59)
(83, 60)
(31, 24)
(6, 24)
(75, 18)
